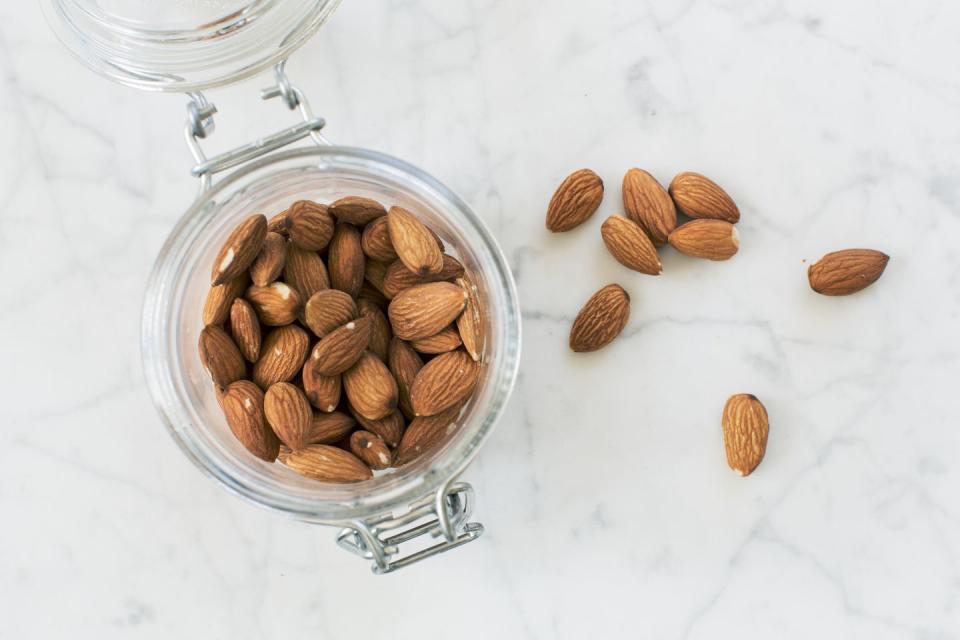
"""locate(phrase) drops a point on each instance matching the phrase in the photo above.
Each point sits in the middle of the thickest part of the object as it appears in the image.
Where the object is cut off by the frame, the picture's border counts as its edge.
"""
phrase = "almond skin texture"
(220, 356)
(648, 204)
(328, 309)
(398, 277)
(240, 249)
(446, 340)
(339, 350)
(242, 404)
(745, 430)
(601, 319)
(276, 304)
(575, 200)
(424, 434)
(245, 329)
(376, 241)
(357, 210)
(305, 272)
(282, 354)
(710, 239)
(380, 333)
(345, 260)
(327, 428)
(279, 223)
(309, 225)
(327, 463)
(374, 272)
(470, 322)
(844, 272)
(631, 247)
(288, 413)
(370, 387)
(424, 310)
(270, 261)
(390, 427)
(699, 197)
(405, 364)
(443, 382)
(370, 448)
(216, 308)
(323, 392)
(415, 245)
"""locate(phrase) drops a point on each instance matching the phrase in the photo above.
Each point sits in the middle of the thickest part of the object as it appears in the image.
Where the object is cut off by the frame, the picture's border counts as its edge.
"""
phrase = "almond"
(710, 239)
(844, 272)
(425, 309)
(216, 308)
(405, 364)
(279, 223)
(323, 392)
(575, 200)
(470, 322)
(276, 304)
(374, 273)
(601, 319)
(699, 197)
(443, 382)
(370, 387)
(389, 427)
(282, 354)
(745, 430)
(357, 210)
(426, 433)
(339, 350)
(627, 242)
(398, 277)
(371, 293)
(649, 205)
(245, 329)
(376, 241)
(370, 448)
(240, 249)
(270, 261)
(328, 463)
(309, 225)
(345, 260)
(242, 404)
(447, 340)
(328, 309)
(327, 428)
(414, 243)
(305, 272)
(288, 413)
(380, 333)
(220, 356)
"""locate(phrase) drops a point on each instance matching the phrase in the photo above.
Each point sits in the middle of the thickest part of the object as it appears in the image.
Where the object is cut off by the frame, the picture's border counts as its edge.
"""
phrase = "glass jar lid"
(184, 45)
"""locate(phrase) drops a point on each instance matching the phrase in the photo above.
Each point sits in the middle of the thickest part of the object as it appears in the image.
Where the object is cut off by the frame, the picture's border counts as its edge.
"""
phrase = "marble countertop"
(609, 508)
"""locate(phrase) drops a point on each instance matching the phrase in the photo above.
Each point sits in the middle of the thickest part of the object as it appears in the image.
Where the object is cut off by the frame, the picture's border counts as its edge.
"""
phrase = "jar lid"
(184, 45)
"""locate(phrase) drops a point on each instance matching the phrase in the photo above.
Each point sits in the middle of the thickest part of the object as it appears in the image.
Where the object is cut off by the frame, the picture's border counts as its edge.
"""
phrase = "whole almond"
(443, 382)
(357, 210)
(328, 309)
(699, 197)
(327, 463)
(370, 448)
(405, 364)
(447, 340)
(245, 329)
(370, 387)
(628, 243)
(220, 356)
(648, 204)
(276, 304)
(239, 250)
(745, 430)
(345, 260)
(309, 225)
(288, 414)
(327, 428)
(376, 241)
(339, 350)
(323, 392)
(242, 404)
(390, 427)
(575, 200)
(380, 333)
(710, 239)
(282, 354)
(844, 272)
(414, 243)
(279, 223)
(601, 319)
(216, 308)
(423, 434)
(270, 261)
(398, 277)
(305, 272)
(470, 322)
(423, 310)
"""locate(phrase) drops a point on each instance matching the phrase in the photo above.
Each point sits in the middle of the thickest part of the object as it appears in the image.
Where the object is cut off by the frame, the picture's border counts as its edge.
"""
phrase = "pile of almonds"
(327, 328)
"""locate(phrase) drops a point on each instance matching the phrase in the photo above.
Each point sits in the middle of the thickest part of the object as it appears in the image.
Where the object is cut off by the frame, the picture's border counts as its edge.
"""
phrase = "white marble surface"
(609, 507)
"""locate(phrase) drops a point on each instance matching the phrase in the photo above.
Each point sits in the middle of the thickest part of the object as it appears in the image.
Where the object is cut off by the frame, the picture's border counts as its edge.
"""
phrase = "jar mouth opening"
(173, 379)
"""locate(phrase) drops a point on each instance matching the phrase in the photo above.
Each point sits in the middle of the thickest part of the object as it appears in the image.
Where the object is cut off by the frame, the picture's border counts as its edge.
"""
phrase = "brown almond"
(370, 387)
(601, 319)
(220, 356)
(443, 382)
(389, 427)
(446, 340)
(339, 350)
(239, 250)
(844, 272)
(470, 322)
(380, 333)
(700, 197)
(328, 309)
(309, 225)
(575, 200)
(370, 448)
(345, 260)
(745, 429)
(288, 414)
(327, 428)
(327, 463)
(648, 204)
(305, 272)
(398, 277)
(276, 304)
(631, 247)
(415, 245)
(374, 272)
(423, 310)
(371, 293)
(279, 223)
(242, 403)
(405, 364)
(426, 433)
(357, 210)
(245, 328)
(270, 261)
(376, 241)
(216, 308)
(282, 354)
(323, 392)
(710, 239)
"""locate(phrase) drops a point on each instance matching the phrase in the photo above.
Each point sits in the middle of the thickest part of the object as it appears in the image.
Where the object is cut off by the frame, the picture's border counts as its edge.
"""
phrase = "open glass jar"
(377, 516)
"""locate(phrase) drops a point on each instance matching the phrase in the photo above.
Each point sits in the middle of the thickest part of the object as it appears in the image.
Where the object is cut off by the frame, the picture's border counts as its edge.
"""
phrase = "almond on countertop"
(648, 204)
(745, 430)
(601, 319)
(844, 272)
(631, 247)
(697, 196)
(710, 239)
(575, 200)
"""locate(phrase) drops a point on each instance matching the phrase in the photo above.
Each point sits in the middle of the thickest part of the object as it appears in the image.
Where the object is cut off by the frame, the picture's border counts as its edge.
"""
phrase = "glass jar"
(422, 499)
